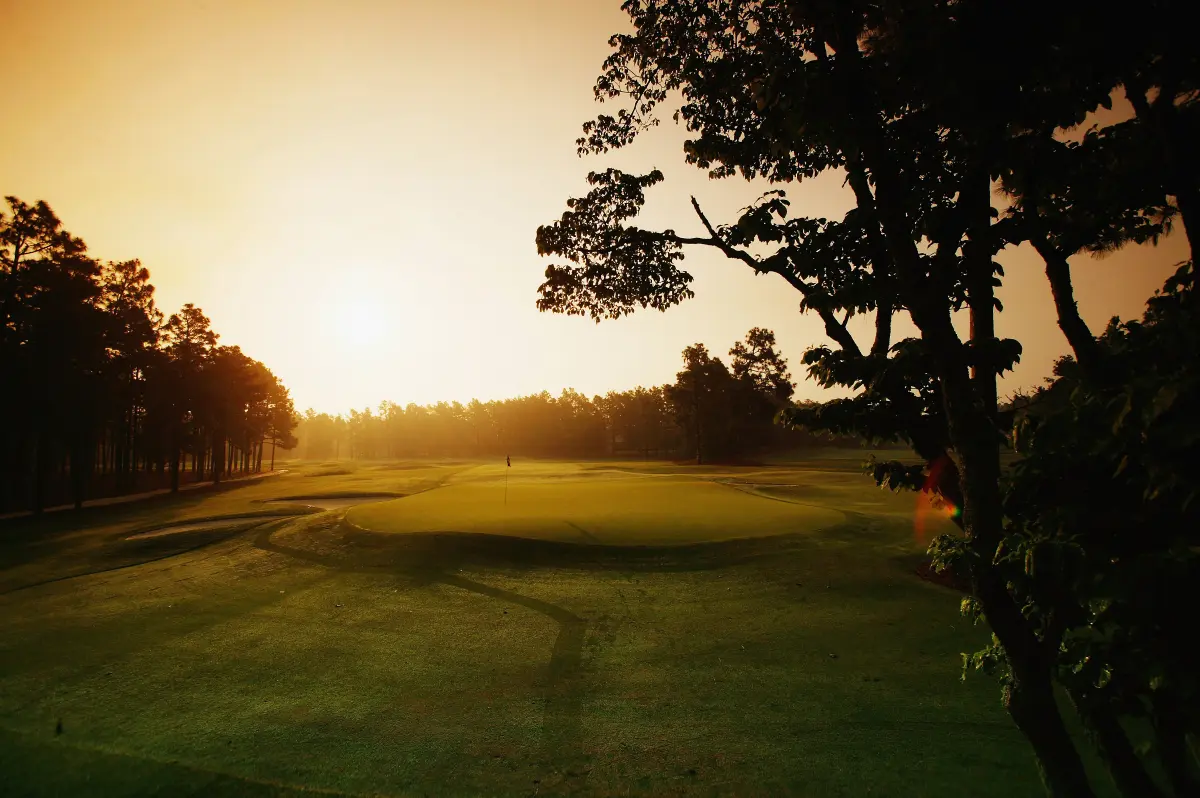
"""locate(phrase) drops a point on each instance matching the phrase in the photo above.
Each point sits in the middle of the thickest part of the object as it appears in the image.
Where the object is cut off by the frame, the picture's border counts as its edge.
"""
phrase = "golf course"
(466, 628)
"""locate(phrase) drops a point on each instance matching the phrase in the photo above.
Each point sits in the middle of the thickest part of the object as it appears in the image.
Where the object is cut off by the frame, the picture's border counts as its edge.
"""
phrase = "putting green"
(610, 510)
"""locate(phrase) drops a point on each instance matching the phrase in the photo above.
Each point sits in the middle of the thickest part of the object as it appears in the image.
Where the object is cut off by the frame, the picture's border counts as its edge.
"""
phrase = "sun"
(360, 324)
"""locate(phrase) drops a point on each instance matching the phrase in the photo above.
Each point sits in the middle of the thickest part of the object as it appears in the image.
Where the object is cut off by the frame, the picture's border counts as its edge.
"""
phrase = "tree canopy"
(954, 152)
(101, 394)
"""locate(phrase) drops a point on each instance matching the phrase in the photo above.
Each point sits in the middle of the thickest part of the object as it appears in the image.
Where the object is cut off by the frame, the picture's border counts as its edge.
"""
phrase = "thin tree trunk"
(218, 458)
(1188, 202)
(37, 500)
(78, 472)
(1030, 702)
(1170, 733)
(977, 254)
(1127, 771)
(5, 476)
(971, 425)
(176, 454)
(1079, 335)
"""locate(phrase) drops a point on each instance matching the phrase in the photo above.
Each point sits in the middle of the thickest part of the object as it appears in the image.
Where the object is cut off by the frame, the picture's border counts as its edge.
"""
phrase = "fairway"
(614, 629)
(601, 507)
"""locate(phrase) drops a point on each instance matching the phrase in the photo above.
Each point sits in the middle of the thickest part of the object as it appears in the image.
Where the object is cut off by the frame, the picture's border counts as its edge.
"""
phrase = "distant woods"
(711, 412)
(101, 393)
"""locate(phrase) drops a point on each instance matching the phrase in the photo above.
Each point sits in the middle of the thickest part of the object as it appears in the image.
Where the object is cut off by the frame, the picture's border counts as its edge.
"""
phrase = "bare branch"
(1079, 335)
(812, 293)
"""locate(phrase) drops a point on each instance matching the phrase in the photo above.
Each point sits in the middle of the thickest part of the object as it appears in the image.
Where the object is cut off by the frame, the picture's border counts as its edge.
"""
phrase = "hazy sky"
(350, 191)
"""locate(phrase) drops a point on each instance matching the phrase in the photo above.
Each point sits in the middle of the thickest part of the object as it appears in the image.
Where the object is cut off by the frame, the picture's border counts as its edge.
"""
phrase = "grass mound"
(612, 510)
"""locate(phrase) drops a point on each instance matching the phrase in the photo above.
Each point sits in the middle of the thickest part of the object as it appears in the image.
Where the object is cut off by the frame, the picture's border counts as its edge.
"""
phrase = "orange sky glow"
(350, 191)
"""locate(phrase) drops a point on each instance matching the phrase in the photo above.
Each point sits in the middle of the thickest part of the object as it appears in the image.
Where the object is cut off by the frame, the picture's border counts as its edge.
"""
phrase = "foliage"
(909, 102)
(102, 395)
(757, 360)
(1102, 518)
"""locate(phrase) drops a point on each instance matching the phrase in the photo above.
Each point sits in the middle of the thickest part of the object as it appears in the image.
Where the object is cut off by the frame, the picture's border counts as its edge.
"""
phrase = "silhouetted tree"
(911, 105)
(703, 403)
(99, 395)
(758, 361)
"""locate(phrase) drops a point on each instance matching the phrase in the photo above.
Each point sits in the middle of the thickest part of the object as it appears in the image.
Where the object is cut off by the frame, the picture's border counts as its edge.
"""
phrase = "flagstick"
(506, 486)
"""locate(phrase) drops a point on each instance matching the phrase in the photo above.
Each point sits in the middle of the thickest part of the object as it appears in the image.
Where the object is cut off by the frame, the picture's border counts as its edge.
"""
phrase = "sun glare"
(361, 324)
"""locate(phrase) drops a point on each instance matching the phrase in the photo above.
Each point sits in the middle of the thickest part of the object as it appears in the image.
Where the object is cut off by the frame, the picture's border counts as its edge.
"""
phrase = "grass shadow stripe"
(212, 785)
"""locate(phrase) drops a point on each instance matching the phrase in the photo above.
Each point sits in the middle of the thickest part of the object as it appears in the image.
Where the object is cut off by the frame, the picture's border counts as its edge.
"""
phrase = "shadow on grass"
(442, 558)
(561, 723)
(28, 530)
(152, 544)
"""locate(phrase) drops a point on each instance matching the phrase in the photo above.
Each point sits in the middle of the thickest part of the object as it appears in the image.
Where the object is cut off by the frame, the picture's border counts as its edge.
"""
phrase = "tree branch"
(856, 176)
(835, 329)
(1079, 335)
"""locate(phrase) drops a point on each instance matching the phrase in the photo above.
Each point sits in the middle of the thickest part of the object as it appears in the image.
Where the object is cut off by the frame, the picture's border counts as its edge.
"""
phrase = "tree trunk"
(1030, 702)
(1170, 734)
(971, 431)
(981, 296)
(1188, 202)
(5, 475)
(1079, 335)
(971, 425)
(176, 454)
(218, 458)
(38, 497)
(79, 460)
(1127, 771)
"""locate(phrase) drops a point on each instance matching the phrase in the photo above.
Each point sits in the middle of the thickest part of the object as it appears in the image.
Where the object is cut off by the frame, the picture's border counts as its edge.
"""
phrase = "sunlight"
(360, 324)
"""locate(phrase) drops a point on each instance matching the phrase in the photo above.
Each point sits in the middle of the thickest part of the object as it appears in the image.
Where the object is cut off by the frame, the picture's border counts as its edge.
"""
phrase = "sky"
(350, 191)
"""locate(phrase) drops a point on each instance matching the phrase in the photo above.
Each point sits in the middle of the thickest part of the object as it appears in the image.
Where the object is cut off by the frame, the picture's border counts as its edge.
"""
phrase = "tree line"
(711, 412)
(104, 395)
(962, 129)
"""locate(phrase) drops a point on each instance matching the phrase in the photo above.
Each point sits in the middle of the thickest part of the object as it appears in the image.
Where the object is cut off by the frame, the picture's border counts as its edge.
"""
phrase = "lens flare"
(931, 505)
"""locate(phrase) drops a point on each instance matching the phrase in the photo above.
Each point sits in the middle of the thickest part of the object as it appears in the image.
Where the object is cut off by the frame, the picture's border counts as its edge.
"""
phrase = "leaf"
(1125, 411)
(1163, 400)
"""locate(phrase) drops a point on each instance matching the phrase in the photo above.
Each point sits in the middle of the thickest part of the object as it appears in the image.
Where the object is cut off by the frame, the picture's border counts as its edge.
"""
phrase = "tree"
(910, 104)
(51, 347)
(701, 399)
(757, 361)
(1101, 536)
(189, 341)
(100, 396)
(281, 419)
(131, 339)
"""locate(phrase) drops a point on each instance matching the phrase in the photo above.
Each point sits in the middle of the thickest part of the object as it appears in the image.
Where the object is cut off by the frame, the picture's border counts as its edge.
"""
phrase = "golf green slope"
(600, 509)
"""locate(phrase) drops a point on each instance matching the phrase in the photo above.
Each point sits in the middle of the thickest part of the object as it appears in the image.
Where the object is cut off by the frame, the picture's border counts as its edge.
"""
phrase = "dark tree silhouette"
(911, 105)
(101, 396)
(758, 361)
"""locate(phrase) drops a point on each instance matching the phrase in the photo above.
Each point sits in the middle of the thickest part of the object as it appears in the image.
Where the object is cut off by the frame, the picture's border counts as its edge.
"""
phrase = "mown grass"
(421, 649)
